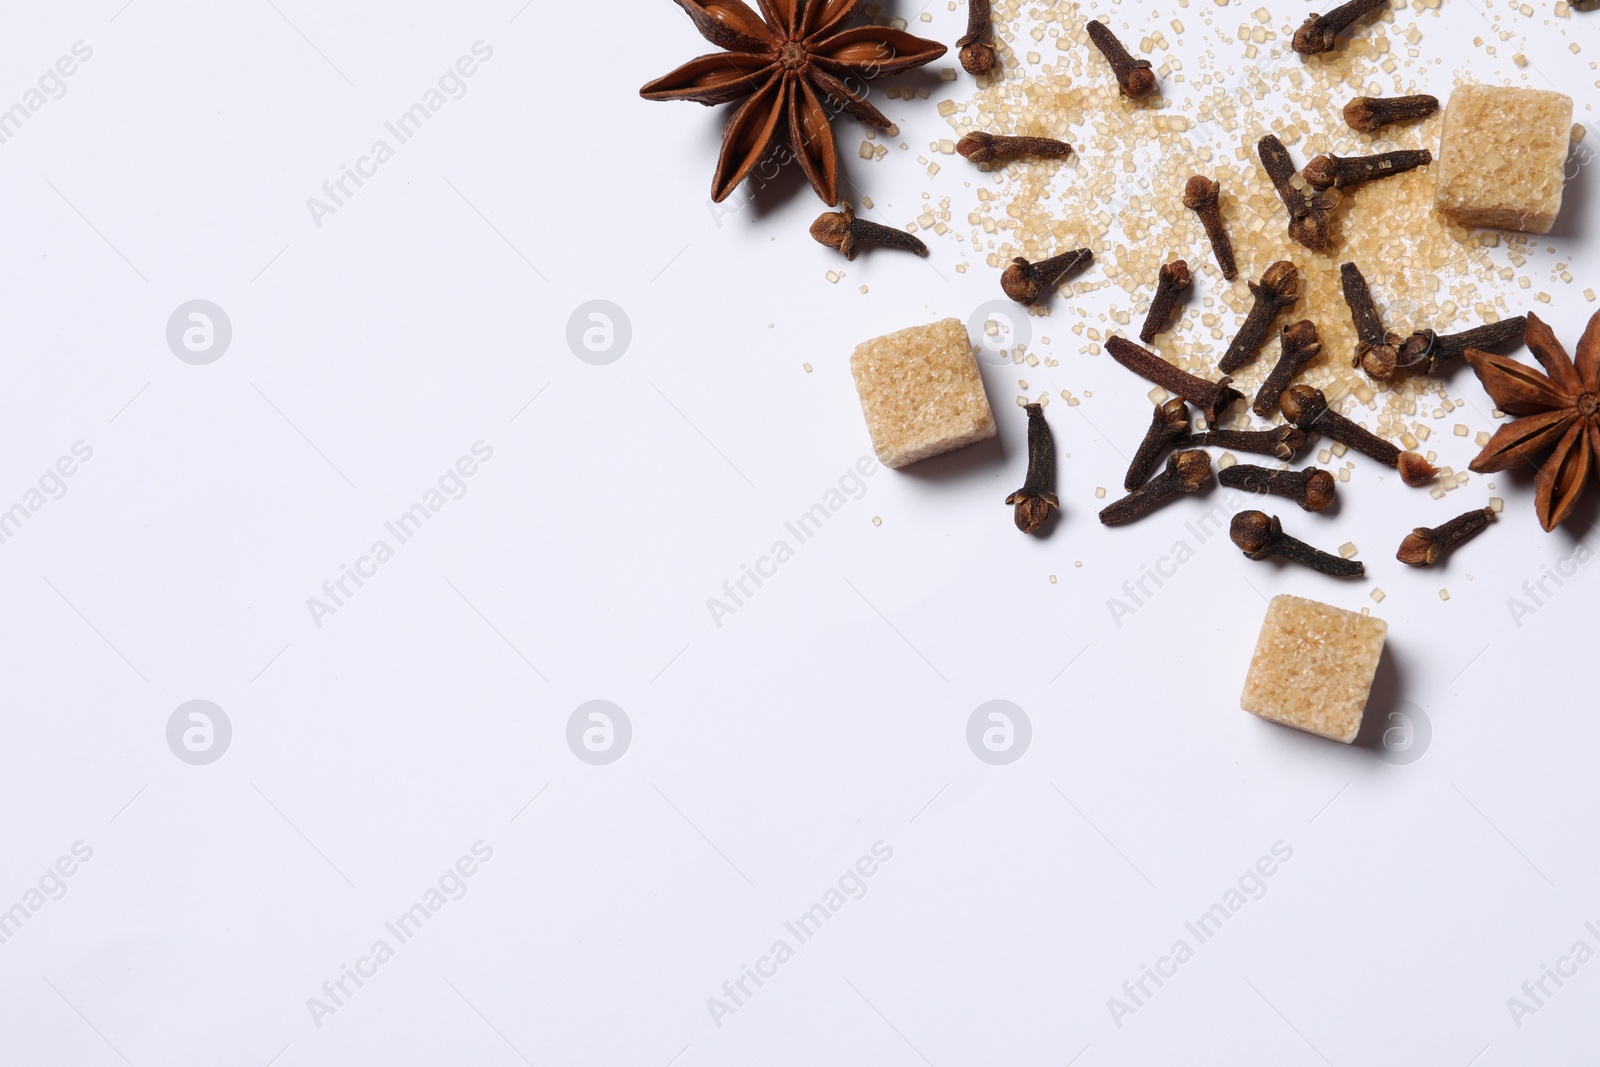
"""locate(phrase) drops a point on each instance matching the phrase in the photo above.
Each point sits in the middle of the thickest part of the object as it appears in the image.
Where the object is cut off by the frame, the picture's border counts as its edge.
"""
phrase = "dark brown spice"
(1260, 536)
(1300, 345)
(1278, 288)
(1134, 76)
(1212, 398)
(1424, 547)
(1281, 442)
(1371, 113)
(1317, 33)
(1309, 222)
(843, 232)
(1313, 488)
(1170, 422)
(1341, 172)
(1202, 195)
(977, 47)
(1037, 495)
(1307, 408)
(1026, 282)
(1187, 472)
(1377, 350)
(986, 147)
(1172, 282)
(1425, 346)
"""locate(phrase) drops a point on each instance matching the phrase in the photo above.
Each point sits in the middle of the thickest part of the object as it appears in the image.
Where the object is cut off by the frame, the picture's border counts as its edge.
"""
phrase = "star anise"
(788, 61)
(1559, 416)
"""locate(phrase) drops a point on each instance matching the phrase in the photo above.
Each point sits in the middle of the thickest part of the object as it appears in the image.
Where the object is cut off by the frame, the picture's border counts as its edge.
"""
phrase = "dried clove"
(1170, 422)
(1279, 287)
(1377, 350)
(1300, 345)
(1025, 282)
(983, 147)
(1424, 547)
(1341, 172)
(1309, 223)
(1281, 442)
(1316, 34)
(843, 232)
(1212, 398)
(1134, 76)
(1313, 488)
(1371, 113)
(1436, 351)
(1201, 195)
(1260, 536)
(977, 47)
(1172, 282)
(1187, 472)
(1307, 408)
(1037, 495)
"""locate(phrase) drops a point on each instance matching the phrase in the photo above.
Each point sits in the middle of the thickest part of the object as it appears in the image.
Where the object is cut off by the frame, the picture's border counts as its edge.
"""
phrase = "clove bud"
(1341, 172)
(1172, 282)
(1371, 113)
(1377, 350)
(1300, 345)
(1187, 472)
(1025, 282)
(1280, 442)
(1170, 422)
(844, 233)
(1260, 536)
(1212, 398)
(1424, 547)
(983, 147)
(1037, 495)
(1279, 287)
(1313, 488)
(1425, 346)
(1309, 223)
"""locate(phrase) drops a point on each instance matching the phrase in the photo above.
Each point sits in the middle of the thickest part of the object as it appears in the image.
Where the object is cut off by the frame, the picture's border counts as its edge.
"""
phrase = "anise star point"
(1558, 416)
(784, 64)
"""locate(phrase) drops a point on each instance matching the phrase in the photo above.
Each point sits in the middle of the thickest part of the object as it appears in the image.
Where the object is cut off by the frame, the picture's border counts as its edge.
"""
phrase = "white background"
(768, 754)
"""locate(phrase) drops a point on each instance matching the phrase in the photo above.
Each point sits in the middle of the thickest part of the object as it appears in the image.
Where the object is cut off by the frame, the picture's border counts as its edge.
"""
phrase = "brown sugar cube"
(1503, 157)
(1313, 667)
(921, 392)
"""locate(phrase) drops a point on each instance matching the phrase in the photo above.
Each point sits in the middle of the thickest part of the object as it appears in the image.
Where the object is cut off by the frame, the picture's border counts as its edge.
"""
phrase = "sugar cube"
(1313, 667)
(921, 392)
(1503, 157)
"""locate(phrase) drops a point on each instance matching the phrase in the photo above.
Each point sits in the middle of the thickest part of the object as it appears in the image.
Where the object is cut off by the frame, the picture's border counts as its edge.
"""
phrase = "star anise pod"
(1558, 427)
(788, 61)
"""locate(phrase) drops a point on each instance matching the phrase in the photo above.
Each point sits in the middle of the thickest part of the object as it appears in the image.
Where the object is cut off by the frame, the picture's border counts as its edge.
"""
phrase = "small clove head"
(1256, 533)
(1415, 470)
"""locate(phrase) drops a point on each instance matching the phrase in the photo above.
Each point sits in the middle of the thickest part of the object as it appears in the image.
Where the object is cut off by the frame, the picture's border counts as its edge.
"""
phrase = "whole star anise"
(1559, 416)
(787, 64)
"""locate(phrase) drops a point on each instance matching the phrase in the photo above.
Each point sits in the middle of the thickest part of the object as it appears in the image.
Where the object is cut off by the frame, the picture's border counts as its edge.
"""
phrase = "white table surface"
(375, 745)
